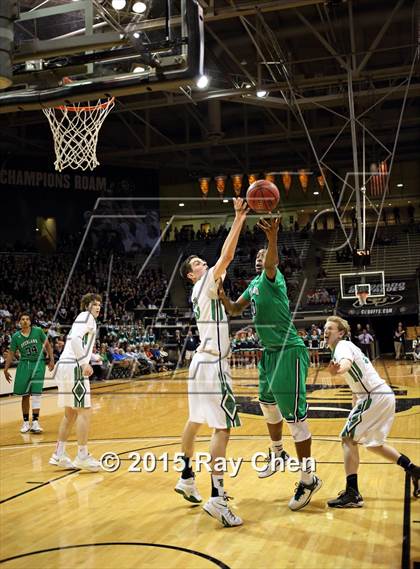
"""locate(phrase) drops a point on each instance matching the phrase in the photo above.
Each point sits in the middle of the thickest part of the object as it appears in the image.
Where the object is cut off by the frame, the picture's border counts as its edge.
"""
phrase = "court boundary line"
(123, 543)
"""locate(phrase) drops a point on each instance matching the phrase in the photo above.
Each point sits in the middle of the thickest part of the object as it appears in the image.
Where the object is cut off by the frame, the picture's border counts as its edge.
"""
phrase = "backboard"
(103, 50)
(350, 283)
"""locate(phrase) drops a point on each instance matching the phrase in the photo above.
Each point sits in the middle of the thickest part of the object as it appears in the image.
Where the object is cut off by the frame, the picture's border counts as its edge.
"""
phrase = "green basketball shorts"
(282, 380)
(29, 377)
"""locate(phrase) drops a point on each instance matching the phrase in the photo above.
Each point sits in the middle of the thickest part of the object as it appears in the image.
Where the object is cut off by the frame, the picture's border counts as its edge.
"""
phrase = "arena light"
(225, 201)
(202, 82)
(139, 7)
(118, 4)
(316, 193)
(138, 69)
(136, 35)
(400, 185)
(181, 204)
(261, 93)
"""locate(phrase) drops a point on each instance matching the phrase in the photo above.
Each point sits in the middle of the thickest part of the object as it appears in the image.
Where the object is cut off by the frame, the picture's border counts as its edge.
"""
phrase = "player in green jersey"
(31, 342)
(284, 364)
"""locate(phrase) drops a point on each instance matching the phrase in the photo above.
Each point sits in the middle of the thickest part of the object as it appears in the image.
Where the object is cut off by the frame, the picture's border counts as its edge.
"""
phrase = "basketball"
(262, 196)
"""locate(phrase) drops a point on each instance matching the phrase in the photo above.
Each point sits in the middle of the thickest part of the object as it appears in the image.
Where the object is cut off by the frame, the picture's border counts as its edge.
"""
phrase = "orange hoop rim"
(88, 108)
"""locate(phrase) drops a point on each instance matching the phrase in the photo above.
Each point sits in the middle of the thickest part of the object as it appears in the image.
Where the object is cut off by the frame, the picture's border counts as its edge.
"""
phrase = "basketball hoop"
(75, 130)
(362, 296)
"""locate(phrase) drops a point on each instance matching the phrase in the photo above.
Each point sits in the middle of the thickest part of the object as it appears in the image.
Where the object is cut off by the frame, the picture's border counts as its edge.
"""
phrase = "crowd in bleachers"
(321, 296)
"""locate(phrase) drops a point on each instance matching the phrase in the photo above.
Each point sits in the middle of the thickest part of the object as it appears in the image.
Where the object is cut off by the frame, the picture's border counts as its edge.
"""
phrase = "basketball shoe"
(87, 463)
(26, 427)
(187, 488)
(347, 498)
(303, 494)
(62, 461)
(218, 508)
(275, 462)
(36, 428)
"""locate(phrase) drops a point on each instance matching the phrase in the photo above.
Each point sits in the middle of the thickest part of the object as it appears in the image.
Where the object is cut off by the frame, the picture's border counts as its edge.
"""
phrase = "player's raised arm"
(233, 308)
(229, 247)
(271, 260)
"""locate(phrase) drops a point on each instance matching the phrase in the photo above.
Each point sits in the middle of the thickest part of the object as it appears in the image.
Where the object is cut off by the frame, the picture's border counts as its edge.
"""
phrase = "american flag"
(378, 179)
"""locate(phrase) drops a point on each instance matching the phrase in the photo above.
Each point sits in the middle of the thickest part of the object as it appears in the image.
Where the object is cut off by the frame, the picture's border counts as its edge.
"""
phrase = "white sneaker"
(88, 463)
(219, 509)
(26, 426)
(275, 462)
(36, 427)
(187, 488)
(62, 461)
(303, 494)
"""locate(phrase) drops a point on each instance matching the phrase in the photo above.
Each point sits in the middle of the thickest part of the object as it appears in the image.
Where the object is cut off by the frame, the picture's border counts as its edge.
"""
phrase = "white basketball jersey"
(211, 318)
(80, 340)
(362, 377)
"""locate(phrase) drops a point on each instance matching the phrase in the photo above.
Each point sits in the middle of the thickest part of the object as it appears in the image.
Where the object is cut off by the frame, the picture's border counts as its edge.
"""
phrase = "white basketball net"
(75, 130)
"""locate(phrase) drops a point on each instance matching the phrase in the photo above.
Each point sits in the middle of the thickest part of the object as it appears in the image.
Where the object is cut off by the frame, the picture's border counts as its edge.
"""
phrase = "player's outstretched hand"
(7, 376)
(51, 365)
(269, 226)
(334, 368)
(241, 208)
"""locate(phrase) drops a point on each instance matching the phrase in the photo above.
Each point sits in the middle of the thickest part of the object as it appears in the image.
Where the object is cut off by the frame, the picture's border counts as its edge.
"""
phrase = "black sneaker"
(415, 475)
(348, 498)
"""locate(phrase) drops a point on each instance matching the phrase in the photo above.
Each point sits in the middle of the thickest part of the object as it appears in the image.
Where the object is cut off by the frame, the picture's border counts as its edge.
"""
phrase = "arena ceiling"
(306, 54)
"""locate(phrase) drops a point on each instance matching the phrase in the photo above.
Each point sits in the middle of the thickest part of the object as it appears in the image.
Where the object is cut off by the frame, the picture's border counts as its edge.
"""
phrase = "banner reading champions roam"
(69, 198)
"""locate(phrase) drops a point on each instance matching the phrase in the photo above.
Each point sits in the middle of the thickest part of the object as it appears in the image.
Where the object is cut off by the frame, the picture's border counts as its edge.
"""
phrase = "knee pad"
(36, 401)
(271, 413)
(300, 431)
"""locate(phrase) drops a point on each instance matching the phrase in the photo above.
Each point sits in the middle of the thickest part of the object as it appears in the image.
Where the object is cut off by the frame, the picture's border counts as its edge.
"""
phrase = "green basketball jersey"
(271, 313)
(30, 347)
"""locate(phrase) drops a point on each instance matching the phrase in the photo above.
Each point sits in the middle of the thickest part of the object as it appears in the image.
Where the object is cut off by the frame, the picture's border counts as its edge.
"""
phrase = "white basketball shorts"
(371, 419)
(210, 394)
(73, 388)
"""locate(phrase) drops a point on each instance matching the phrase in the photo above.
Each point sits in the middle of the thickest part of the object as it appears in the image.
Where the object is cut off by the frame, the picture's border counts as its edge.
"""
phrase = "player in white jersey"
(210, 396)
(73, 372)
(371, 418)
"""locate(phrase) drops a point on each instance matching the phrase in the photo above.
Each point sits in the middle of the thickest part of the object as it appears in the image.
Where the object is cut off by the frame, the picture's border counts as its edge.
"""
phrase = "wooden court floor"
(124, 519)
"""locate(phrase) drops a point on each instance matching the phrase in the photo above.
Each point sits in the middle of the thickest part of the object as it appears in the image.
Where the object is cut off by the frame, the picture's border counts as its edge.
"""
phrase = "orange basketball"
(262, 196)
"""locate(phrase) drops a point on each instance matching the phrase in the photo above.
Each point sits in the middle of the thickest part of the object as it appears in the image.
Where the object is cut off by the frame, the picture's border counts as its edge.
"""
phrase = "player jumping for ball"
(371, 418)
(284, 364)
(73, 372)
(30, 342)
(210, 395)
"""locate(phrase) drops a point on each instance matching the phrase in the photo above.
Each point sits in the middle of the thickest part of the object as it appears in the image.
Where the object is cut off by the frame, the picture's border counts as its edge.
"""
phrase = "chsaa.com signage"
(400, 298)
(27, 179)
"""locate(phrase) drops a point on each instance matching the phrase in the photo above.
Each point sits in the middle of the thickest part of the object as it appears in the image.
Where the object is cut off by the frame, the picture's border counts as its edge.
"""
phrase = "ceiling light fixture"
(181, 204)
(225, 201)
(139, 69)
(118, 4)
(316, 193)
(400, 185)
(202, 82)
(261, 93)
(139, 7)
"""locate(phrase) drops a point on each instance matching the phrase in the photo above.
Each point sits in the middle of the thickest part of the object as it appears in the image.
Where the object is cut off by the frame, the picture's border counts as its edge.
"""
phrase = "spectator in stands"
(416, 351)
(399, 337)
(190, 346)
(96, 364)
(314, 338)
(396, 211)
(365, 340)
(411, 211)
(372, 346)
(358, 333)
